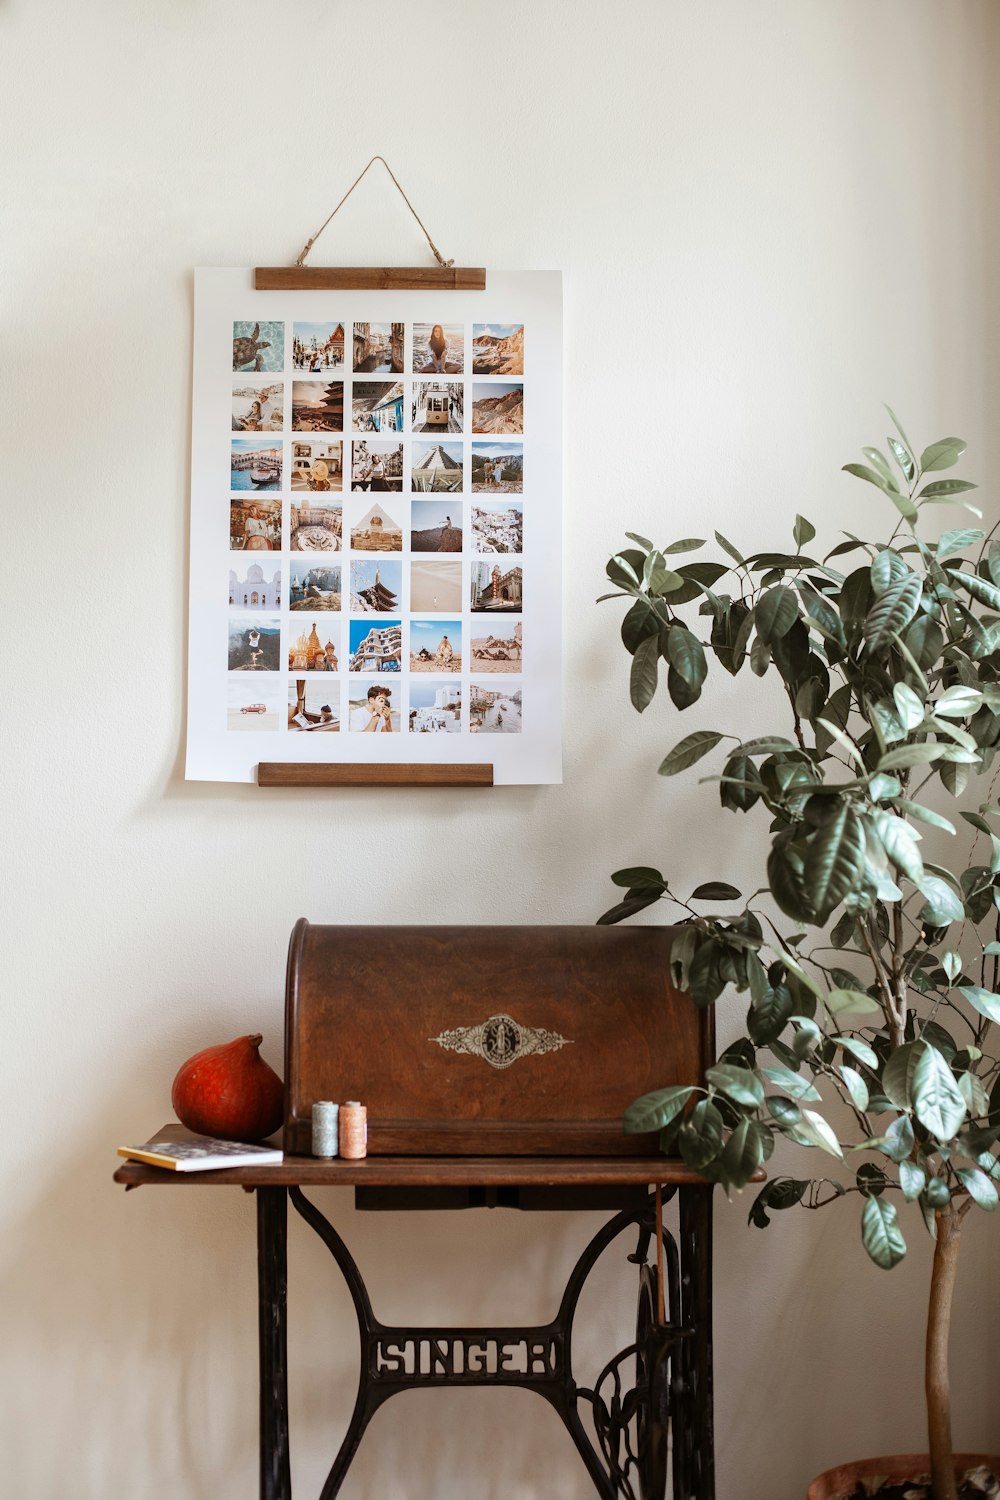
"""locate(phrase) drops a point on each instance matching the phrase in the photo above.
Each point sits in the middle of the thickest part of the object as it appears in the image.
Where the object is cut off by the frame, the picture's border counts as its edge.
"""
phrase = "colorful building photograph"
(436, 468)
(376, 648)
(317, 406)
(495, 589)
(498, 530)
(308, 653)
(378, 348)
(255, 587)
(375, 586)
(494, 710)
(254, 465)
(317, 347)
(435, 708)
(315, 525)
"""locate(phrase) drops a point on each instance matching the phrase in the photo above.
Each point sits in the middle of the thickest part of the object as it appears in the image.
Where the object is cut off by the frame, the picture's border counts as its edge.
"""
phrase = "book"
(201, 1153)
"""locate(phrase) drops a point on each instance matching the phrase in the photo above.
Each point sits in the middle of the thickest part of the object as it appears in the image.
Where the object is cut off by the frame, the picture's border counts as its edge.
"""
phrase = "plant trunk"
(936, 1382)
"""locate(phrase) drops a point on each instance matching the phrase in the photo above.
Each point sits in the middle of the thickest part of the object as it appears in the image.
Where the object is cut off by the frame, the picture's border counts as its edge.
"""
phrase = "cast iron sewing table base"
(651, 1405)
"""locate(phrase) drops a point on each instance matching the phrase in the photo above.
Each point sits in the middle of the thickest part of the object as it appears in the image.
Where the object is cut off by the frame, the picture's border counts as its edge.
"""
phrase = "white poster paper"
(376, 526)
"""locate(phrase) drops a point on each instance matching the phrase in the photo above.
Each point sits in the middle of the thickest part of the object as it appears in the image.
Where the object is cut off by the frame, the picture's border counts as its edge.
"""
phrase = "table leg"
(272, 1261)
(694, 1445)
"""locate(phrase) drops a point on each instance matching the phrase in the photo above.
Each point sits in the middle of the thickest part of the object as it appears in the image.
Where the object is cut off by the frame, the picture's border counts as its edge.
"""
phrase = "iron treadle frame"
(659, 1385)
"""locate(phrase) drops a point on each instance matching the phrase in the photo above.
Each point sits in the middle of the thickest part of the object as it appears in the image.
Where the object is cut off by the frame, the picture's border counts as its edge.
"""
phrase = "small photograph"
(377, 532)
(494, 710)
(375, 587)
(498, 407)
(436, 646)
(497, 468)
(376, 648)
(317, 347)
(435, 586)
(435, 707)
(377, 466)
(258, 407)
(372, 710)
(437, 406)
(377, 406)
(378, 348)
(435, 526)
(316, 526)
(496, 653)
(436, 468)
(253, 465)
(253, 705)
(258, 346)
(317, 406)
(255, 587)
(438, 349)
(314, 586)
(317, 466)
(311, 705)
(255, 525)
(253, 644)
(498, 530)
(495, 589)
(498, 348)
(308, 653)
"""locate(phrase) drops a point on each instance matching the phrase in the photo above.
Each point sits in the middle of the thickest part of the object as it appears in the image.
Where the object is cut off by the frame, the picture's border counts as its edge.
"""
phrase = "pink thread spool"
(353, 1130)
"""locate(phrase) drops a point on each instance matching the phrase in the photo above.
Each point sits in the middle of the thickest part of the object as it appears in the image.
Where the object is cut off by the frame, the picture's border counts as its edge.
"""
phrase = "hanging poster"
(376, 527)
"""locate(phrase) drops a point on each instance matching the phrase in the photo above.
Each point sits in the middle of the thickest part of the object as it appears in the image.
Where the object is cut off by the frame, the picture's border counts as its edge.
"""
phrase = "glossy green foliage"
(880, 997)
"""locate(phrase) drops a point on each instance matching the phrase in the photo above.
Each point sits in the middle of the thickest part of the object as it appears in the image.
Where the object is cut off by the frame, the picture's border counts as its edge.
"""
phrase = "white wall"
(771, 217)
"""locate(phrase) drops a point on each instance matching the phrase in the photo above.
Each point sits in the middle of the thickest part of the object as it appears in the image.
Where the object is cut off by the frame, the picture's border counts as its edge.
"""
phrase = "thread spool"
(353, 1130)
(325, 1128)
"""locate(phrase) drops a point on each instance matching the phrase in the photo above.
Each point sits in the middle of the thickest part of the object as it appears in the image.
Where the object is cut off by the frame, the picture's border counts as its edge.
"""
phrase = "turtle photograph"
(258, 346)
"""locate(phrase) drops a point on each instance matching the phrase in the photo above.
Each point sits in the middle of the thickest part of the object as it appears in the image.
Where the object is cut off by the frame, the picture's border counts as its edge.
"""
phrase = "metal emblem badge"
(501, 1040)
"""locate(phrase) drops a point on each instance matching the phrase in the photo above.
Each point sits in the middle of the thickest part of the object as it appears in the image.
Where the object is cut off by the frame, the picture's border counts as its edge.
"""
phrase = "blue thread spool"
(325, 1121)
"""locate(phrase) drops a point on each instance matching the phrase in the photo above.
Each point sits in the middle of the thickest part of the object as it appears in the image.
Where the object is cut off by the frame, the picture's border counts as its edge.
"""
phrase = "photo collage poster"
(376, 527)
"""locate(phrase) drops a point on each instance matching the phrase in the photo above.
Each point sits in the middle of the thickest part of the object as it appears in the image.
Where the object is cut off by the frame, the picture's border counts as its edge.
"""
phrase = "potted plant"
(872, 970)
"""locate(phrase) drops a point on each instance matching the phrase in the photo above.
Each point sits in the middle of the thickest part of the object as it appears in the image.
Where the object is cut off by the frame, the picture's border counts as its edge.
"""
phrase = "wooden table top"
(424, 1171)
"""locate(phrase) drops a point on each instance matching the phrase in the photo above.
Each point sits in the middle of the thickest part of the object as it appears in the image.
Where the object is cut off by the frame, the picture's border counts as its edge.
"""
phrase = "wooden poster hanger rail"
(445, 276)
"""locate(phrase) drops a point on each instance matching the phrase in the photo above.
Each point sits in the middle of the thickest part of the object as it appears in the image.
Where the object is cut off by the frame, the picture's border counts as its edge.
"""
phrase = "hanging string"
(310, 242)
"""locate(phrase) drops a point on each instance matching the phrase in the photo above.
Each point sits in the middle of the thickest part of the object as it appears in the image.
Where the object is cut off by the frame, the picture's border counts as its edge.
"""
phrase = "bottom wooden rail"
(297, 773)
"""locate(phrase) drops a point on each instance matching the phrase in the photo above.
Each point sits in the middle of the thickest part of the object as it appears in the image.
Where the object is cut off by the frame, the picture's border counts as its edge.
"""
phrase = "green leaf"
(924, 814)
(783, 1192)
(907, 756)
(803, 531)
(909, 707)
(639, 876)
(655, 1110)
(951, 963)
(813, 1130)
(776, 612)
(880, 464)
(628, 908)
(942, 906)
(986, 593)
(887, 568)
(738, 1084)
(902, 457)
(689, 544)
(880, 1233)
(979, 1187)
(642, 679)
(858, 1049)
(639, 622)
(795, 1085)
(937, 1101)
(715, 890)
(640, 541)
(911, 1180)
(727, 546)
(743, 1154)
(741, 786)
(900, 843)
(942, 455)
(841, 1001)
(899, 428)
(897, 1076)
(688, 751)
(860, 471)
(959, 540)
(984, 1001)
(834, 861)
(892, 611)
(942, 489)
(958, 702)
(685, 654)
(621, 571)
(699, 1139)
(856, 1087)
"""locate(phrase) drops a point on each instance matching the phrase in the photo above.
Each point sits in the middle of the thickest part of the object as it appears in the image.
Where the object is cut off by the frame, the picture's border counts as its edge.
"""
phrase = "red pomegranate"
(229, 1091)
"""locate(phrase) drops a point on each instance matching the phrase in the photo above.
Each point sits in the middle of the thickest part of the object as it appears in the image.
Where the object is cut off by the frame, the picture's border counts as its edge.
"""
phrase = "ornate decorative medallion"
(501, 1040)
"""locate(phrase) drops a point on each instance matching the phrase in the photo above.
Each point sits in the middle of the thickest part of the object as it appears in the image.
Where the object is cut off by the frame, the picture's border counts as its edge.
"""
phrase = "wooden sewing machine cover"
(486, 1041)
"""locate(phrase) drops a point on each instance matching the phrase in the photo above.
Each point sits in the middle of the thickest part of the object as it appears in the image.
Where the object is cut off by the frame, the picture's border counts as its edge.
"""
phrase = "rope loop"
(310, 242)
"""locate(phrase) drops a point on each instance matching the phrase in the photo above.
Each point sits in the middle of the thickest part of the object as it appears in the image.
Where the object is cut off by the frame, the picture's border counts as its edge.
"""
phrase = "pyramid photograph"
(436, 468)
(377, 532)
